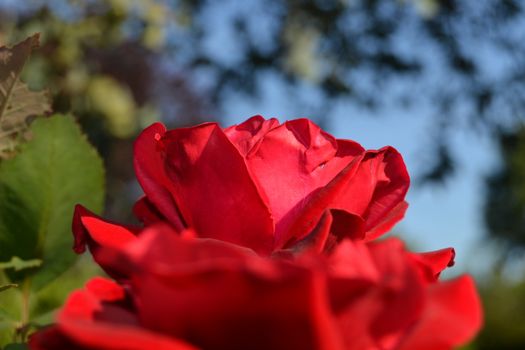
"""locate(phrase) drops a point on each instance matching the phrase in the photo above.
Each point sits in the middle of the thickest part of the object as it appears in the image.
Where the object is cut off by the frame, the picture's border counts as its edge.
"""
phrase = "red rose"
(265, 185)
(208, 294)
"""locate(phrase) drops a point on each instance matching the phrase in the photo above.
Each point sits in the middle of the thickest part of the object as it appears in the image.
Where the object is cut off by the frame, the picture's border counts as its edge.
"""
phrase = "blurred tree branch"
(118, 65)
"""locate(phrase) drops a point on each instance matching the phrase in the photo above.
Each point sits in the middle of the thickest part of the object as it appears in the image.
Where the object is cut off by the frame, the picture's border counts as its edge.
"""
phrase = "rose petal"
(89, 321)
(388, 221)
(434, 262)
(290, 163)
(91, 230)
(247, 135)
(451, 317)
(347, 225)
(52, 338)
(316, 239)
(376, 191)
(403, 295)
(160, 248)
(391, 188)
(379, 285)
(150, 171)
(317, 202)
(146, 212)
(213, 188)
(290, 311)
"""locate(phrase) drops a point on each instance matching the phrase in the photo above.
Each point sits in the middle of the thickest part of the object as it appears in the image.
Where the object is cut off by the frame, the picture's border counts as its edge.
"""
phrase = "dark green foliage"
(505, 203)
(504, 304)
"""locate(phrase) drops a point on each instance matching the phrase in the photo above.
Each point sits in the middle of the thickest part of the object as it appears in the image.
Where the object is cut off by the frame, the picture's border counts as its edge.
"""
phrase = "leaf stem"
(23, 326)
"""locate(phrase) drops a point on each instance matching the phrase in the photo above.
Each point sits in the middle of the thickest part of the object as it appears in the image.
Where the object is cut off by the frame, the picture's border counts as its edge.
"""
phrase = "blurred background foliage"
(118, 65)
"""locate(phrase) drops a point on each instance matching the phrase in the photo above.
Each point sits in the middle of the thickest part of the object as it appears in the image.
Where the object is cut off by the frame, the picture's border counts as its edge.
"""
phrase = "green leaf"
(7, 286)
(39, 188)
(17, 102)
(10, 311)
(45, 301)
(18, 264)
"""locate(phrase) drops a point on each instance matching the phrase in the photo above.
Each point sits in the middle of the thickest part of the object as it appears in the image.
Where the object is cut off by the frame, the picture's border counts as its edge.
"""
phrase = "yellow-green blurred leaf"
(116, 103)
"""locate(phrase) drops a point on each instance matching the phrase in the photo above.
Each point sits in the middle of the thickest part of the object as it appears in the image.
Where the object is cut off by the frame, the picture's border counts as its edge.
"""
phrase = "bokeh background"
(441, 80)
